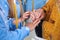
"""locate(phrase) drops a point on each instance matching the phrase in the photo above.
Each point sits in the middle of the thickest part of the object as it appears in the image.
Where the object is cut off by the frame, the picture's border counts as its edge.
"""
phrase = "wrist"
(22, 19)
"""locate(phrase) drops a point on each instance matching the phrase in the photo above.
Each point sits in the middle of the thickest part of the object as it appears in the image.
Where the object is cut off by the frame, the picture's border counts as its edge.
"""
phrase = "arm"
(12, 21)
(40, 3)
(12, 24)
(18, 34)
(12, 35)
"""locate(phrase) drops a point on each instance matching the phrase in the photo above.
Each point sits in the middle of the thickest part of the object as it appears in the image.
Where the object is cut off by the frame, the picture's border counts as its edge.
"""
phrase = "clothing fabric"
(8, 30)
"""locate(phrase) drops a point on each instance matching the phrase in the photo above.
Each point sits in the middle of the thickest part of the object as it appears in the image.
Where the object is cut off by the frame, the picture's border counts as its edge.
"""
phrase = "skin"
(58, 1)
(33, 24)
(36, 20)
(37, 17)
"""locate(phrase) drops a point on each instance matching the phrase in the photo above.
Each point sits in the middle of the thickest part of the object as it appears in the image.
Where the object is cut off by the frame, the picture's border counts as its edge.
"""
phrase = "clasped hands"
(36, 16)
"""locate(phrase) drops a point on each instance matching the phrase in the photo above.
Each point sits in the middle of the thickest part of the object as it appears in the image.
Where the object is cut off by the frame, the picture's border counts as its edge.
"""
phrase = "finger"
(38, 14)
(42, 16)
(26, 17)
(35, 14)
(32, 17)
(27, 12)
(32, 14)
(35, 21)
(36, 24)
(40, 10)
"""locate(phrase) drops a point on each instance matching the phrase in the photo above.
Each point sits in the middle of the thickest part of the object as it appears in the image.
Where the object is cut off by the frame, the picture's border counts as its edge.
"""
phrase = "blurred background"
(33, 36)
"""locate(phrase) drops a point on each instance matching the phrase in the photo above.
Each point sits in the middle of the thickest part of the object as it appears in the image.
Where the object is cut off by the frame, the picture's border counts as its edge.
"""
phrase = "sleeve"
(37, 4)
(13, 26)
(6, 34)
(40, 3)
(18, 34)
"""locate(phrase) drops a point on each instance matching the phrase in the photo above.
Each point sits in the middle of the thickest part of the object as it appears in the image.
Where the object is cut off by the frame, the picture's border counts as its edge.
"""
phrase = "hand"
(25, 16)
(39, 13)
(42, 13)
(32, 25)
(32, 16)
